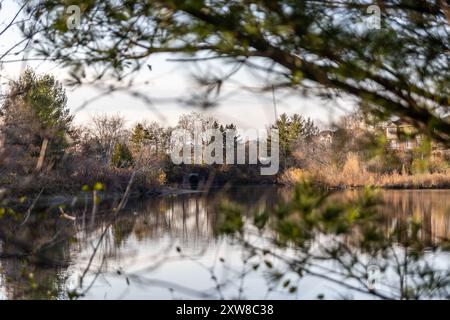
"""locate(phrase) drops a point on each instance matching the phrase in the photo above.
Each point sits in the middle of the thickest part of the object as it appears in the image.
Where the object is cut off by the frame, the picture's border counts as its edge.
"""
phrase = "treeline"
(44, 151)
(357, 152)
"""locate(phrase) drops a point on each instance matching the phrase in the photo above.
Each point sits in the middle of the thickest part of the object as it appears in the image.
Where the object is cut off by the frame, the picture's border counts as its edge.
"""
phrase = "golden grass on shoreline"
(333, 178)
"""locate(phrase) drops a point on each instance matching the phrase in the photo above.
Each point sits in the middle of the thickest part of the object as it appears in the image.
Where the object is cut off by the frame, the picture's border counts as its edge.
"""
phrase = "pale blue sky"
(169, 81)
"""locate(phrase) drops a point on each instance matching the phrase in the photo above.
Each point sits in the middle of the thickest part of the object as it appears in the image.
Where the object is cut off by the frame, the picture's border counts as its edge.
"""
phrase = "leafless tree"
(105, 132)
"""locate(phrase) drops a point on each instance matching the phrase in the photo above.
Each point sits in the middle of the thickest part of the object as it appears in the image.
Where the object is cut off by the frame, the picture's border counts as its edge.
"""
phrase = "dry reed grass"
(353, 174)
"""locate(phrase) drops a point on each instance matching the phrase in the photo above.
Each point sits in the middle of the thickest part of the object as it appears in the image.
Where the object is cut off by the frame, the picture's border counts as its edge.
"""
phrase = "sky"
(166, 84)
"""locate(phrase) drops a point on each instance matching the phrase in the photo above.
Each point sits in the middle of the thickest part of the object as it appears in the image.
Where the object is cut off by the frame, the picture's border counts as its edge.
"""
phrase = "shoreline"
(79, 200)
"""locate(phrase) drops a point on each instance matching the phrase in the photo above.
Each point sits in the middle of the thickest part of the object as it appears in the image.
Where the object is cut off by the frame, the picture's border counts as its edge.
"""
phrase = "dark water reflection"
(430, 207)
(171, 248)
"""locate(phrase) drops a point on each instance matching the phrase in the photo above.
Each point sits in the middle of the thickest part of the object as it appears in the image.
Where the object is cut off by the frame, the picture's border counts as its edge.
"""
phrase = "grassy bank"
(356, 177)
(108, 179)
(154, 180)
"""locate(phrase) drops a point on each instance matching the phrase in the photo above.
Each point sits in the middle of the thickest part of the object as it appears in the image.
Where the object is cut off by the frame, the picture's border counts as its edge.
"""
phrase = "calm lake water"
(170, 248)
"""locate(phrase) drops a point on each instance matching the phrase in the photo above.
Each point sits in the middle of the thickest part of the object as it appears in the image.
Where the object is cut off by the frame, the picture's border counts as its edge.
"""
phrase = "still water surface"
(169, 248)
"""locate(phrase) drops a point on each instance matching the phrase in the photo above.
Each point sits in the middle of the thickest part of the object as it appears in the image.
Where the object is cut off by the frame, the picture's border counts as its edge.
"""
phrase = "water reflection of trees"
(190, 218)
(429, 208)
(36, 257)
(341, 237)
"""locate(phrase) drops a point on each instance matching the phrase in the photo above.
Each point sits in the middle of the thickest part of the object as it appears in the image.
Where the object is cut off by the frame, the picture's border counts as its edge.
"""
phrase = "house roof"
(397, 123)
(326, 132)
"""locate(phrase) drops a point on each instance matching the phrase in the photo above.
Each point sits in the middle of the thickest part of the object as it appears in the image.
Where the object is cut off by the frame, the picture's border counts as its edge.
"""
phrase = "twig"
(27, 216)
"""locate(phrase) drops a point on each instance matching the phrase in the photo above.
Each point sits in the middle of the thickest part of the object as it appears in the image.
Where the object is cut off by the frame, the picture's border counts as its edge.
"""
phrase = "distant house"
(401, 135)
(325, 136)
